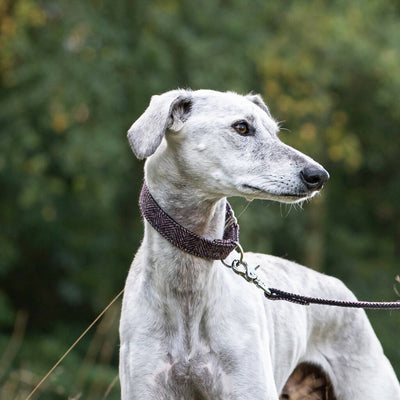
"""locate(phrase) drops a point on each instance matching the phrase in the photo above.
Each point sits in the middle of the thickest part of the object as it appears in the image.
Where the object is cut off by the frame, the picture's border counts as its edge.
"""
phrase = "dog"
(192, 329)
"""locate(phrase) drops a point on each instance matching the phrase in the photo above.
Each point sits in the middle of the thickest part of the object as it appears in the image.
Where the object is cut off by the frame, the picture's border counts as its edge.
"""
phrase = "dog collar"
(183, 238)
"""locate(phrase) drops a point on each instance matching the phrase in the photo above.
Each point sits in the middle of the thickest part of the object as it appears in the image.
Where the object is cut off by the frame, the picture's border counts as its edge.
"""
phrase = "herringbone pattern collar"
(183, 238)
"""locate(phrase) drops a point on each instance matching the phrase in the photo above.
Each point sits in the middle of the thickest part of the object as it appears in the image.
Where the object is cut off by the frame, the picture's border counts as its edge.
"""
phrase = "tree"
(75, 75)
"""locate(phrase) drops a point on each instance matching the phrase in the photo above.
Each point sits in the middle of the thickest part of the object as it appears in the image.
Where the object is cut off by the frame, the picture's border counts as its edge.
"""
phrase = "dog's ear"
(167, 111)
(257, 99)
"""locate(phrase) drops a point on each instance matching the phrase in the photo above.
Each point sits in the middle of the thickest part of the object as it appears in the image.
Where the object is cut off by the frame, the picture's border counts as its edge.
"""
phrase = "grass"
(88, 372)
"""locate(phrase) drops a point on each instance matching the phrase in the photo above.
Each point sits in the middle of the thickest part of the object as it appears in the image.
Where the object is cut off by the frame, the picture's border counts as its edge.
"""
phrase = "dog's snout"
(313, 177)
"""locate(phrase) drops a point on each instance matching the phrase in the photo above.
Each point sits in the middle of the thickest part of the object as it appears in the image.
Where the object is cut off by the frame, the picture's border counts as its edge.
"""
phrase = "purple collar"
(190, 242)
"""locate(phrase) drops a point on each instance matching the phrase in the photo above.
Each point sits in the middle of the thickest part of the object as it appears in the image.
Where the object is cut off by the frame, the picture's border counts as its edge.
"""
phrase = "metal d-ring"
(240, 261)
(238, 246)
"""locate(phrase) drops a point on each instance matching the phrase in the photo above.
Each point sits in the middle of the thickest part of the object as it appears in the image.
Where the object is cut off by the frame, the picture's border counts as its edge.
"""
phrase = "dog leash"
(219, 249)
(240, 267)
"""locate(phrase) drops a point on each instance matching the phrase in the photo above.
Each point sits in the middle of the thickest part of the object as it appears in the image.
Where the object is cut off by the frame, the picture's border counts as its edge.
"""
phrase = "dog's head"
(223, 144)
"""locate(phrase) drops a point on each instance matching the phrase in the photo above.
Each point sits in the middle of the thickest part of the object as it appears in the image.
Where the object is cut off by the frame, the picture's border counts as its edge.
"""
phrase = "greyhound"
(190, 328)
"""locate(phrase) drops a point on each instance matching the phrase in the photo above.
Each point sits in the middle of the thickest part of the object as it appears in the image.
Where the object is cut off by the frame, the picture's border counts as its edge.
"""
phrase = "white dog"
(192, 329)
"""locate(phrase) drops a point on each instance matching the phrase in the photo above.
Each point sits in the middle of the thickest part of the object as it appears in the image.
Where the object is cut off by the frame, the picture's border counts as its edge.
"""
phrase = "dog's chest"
(195, 376)
(195, 367)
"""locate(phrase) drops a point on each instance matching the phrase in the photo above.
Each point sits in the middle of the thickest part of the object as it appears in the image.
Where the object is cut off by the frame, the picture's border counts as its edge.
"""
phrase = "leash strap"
(182, 237)
(277, 294)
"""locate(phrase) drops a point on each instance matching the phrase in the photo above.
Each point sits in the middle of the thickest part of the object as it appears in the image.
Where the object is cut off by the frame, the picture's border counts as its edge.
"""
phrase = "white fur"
(190, 328)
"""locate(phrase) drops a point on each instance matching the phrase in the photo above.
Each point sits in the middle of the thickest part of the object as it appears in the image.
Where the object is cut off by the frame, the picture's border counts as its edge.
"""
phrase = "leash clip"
(242, 268)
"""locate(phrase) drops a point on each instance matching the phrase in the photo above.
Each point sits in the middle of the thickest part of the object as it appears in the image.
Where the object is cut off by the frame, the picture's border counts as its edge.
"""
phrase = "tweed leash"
(183, 238)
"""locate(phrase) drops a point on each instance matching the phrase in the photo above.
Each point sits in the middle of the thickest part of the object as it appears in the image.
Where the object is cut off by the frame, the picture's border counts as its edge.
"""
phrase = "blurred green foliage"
(73, 77)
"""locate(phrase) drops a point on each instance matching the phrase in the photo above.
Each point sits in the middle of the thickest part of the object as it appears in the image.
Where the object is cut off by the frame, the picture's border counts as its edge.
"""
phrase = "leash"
(240, 267)
(219, 249)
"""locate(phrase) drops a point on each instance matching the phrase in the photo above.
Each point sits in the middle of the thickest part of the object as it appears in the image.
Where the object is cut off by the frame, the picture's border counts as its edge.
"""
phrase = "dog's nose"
(314, 178)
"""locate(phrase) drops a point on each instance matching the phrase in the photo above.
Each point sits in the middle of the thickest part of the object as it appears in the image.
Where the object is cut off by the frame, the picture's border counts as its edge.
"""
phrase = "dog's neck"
(175, 194)
(170, 269)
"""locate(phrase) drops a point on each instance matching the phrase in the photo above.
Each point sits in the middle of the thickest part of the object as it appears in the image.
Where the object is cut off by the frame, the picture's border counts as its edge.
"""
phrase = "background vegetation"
(75, 74)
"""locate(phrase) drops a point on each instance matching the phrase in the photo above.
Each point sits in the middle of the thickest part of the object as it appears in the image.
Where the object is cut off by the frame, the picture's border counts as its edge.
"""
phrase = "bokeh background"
(75, 74)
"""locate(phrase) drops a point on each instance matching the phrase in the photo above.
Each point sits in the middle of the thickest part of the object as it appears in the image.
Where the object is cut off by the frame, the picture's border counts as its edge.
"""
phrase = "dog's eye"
(241, 127)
